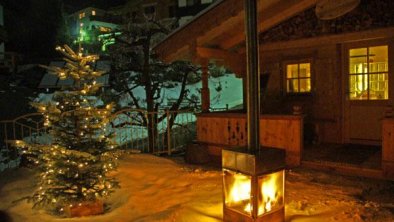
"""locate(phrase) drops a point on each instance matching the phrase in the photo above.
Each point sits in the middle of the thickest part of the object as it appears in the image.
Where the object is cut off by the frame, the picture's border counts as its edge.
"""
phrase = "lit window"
(104, 29)
(191, 2)
(81, 24)
(93, 12)
(298, 78)
(81, 15)
(368, 73)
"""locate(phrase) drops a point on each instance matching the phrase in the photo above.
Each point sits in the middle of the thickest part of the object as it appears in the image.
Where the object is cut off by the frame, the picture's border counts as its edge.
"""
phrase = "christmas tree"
(75, 166)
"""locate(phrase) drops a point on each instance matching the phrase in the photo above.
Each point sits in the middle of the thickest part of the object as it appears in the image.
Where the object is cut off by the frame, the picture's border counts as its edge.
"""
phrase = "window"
(191, 2)
(81, 15)
(104, 29)
(148, 10)
(298, 77)
(93, 12)
(368, 73)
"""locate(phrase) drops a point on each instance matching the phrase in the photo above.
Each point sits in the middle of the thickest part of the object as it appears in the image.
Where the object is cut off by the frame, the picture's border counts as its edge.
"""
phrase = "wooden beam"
(222, 29)
(270, 17)
(330, 39)
(183, 53)
(216, 14)
(216, 53)
(233, 61)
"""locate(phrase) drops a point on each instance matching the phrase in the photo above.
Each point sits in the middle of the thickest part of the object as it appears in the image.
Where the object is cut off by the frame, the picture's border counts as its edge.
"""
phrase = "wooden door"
(368, 90)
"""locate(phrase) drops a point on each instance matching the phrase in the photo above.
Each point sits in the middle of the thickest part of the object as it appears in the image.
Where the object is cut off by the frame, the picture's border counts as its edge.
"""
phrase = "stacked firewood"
(370, 14)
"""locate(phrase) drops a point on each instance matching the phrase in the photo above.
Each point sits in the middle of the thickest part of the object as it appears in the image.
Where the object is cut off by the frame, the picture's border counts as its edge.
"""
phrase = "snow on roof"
(52, 81)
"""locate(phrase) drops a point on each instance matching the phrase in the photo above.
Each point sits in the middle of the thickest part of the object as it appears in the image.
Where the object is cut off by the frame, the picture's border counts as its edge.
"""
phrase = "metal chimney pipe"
(252, 75)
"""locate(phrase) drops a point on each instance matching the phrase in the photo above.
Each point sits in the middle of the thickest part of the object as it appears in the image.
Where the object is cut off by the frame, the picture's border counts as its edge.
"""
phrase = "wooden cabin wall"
(322, 107)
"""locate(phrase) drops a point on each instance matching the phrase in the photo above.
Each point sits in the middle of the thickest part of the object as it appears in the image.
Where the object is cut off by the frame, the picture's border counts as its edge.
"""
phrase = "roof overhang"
(218, 34)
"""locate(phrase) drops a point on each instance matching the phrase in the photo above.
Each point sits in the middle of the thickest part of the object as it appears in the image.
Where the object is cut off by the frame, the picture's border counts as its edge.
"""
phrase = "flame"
(239, 194)
(240, 190)
(248, 208)
(269, 193)
(271, 189)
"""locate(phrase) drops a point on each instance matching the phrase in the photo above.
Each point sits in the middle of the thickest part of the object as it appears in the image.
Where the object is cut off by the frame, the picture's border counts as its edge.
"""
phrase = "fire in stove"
(253, 185)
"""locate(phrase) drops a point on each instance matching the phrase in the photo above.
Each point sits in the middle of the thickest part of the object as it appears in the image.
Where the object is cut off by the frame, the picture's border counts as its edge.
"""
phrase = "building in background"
(87, 25)
(92, 28)
(187, 9)
(142, 10)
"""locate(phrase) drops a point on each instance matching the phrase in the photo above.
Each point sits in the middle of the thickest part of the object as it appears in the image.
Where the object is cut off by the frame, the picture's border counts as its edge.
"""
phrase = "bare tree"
(134, 64)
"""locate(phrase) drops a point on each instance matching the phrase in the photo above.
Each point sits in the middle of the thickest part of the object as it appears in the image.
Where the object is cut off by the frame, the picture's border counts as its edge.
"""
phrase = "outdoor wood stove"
(253, 185)
(253, 178)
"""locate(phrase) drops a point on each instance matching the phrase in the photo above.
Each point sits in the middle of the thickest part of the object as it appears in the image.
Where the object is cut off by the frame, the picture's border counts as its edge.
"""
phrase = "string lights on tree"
(74, 167)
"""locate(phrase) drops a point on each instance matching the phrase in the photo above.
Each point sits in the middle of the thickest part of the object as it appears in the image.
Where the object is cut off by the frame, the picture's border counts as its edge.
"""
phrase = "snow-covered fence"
(129, 127)
(175, 129)
(28, 127)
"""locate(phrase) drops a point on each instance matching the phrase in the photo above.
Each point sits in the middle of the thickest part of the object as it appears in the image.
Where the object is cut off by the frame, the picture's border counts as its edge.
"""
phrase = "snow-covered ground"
(167, 190)
(224, 90)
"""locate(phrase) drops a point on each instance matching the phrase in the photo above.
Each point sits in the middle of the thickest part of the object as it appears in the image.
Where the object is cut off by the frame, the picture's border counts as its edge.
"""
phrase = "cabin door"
(365, 123)
(367, 98)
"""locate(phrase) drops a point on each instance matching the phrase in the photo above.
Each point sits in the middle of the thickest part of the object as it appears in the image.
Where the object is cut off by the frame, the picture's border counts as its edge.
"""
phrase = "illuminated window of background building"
(104, 29)
(93, 12)
(368, 73)
(191, 2)
(81, 15)
(298, 78)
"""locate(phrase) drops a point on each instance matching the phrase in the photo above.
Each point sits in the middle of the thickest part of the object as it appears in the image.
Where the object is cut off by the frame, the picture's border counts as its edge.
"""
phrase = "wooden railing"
(218, 130)
(126, 125)
(132, 133)
(27, 126)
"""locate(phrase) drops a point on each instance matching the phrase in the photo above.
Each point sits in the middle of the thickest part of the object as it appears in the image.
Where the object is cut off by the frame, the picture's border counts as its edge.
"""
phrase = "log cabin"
(330, 75)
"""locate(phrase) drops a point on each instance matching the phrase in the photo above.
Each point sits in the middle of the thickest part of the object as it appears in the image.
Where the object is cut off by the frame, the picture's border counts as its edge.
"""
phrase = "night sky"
(35, 27)
(75, 5)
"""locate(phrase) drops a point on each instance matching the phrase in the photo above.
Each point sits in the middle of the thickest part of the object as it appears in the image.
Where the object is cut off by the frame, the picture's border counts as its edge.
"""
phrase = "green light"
(82, 32)
(82, 35)
(107, 39)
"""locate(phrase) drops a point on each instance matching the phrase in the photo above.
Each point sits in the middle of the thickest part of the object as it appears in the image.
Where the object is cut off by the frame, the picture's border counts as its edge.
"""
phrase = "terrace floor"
(356, 157)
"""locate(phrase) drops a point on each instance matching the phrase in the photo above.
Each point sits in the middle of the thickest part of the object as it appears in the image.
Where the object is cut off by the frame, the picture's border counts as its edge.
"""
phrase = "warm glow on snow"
(155, 189)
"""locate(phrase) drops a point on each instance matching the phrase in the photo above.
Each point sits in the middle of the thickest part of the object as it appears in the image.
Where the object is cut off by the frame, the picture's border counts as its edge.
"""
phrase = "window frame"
(190, 3)
(367, 44)
(285, 79)
(82, 15)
